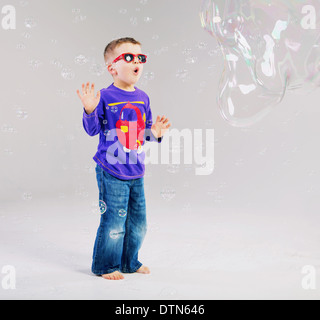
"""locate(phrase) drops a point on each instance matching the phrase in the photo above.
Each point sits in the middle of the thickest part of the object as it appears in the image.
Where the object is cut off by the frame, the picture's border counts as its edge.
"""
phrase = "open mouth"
(136, 71)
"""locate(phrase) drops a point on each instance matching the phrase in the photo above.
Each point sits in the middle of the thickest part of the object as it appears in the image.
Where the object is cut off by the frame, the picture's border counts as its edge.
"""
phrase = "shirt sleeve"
(92, 123)
(149, 122)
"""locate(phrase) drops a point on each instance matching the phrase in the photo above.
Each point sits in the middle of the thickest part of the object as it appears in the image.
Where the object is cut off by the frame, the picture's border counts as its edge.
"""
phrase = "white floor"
(209, 254)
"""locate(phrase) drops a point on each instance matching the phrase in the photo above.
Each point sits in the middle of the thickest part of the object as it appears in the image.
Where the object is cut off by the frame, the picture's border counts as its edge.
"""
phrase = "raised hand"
(160, 127)
(88, 98)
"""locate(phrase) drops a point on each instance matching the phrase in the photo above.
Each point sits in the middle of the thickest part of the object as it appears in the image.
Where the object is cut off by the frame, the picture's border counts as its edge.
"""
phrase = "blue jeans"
(123, 224)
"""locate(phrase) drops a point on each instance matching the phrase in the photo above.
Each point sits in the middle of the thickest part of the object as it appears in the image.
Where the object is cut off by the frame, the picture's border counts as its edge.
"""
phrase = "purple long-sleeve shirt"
(123, 120)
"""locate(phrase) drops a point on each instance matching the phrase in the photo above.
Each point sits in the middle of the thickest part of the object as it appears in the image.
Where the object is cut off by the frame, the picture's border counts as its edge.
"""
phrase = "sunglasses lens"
(128, 57)
(142, 58)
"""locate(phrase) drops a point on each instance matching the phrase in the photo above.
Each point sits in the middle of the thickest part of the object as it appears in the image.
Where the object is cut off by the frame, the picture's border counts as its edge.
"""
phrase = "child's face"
(124, 73)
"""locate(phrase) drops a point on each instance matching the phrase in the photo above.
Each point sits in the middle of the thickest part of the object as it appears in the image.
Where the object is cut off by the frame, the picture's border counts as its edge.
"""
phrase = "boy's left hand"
(160, 128)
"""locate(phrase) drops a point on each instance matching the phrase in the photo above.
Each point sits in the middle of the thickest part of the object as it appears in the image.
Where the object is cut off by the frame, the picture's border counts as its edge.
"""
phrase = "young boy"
(122, 116)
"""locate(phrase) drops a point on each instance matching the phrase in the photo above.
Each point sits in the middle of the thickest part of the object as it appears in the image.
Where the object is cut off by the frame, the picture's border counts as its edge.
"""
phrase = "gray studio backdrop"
(45, 153)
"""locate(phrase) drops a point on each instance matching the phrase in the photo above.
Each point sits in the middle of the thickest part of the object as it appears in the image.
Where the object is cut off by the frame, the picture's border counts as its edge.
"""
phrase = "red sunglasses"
(129, 57)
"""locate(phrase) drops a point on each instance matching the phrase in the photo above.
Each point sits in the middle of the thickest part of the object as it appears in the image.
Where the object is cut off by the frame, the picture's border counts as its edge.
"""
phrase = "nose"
(136, 60)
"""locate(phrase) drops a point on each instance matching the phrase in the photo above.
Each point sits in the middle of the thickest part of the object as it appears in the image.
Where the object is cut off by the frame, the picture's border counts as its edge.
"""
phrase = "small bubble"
(114, 235)
(97, 69)
(26, 35)
(202, 45)
(30, 23)
(21, 46)
(24, 3)
(75, 11)
(168, 292)
(27, 196)
(61, 93)
(35, 64)
(114, 109)
(149, 75)
(182, 74)
(22, 114)
(103, 207)
(173, 168)
(191, 60)
(7, 128)
(80, 60)
(122, 213)
(67, 74)
(8, 152)
(134, 21)
(79, 18)
(56, 63)
(186, 51)
(168, 193)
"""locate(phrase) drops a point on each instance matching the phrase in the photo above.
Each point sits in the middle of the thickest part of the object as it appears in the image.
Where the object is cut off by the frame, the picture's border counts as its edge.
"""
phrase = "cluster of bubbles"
(269, 47)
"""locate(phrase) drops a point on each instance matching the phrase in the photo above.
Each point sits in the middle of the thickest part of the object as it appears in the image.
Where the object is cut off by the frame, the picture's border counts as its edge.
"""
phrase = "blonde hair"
(116, 43)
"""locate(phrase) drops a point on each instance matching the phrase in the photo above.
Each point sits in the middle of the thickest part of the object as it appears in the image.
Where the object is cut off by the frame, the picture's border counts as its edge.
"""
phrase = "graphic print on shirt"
(131, 126)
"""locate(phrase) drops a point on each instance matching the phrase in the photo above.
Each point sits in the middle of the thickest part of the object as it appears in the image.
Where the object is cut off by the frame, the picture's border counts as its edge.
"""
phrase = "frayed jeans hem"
(101, 273)
(125, 270)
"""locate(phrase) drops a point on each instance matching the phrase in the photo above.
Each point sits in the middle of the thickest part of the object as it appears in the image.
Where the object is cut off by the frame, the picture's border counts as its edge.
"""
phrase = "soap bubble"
(30, 22)
(114, 234)
(168, 193)
(80, 60)
(269, 47)
(67, 74)
(103, 207)
(27, 196)
(122, 213)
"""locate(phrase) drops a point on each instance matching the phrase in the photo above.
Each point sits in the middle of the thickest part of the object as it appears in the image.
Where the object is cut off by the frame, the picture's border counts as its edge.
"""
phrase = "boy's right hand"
(88, 98)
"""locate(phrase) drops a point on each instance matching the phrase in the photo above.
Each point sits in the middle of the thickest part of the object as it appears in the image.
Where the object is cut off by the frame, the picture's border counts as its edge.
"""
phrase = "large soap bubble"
(269, 46)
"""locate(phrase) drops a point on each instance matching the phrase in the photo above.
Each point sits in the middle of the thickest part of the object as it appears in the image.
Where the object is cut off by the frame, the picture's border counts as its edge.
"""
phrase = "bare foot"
(144, 270)
(113, 276)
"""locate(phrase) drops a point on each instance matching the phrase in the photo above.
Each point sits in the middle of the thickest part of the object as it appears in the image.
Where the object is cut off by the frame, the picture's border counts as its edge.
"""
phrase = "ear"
(111, 69)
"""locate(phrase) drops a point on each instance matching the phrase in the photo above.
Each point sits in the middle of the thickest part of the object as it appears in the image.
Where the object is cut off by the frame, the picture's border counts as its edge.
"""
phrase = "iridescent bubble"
(103, 207)
(114, 109)
(269, 47)
(22, 114)
(114, 234)
(122, 213)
